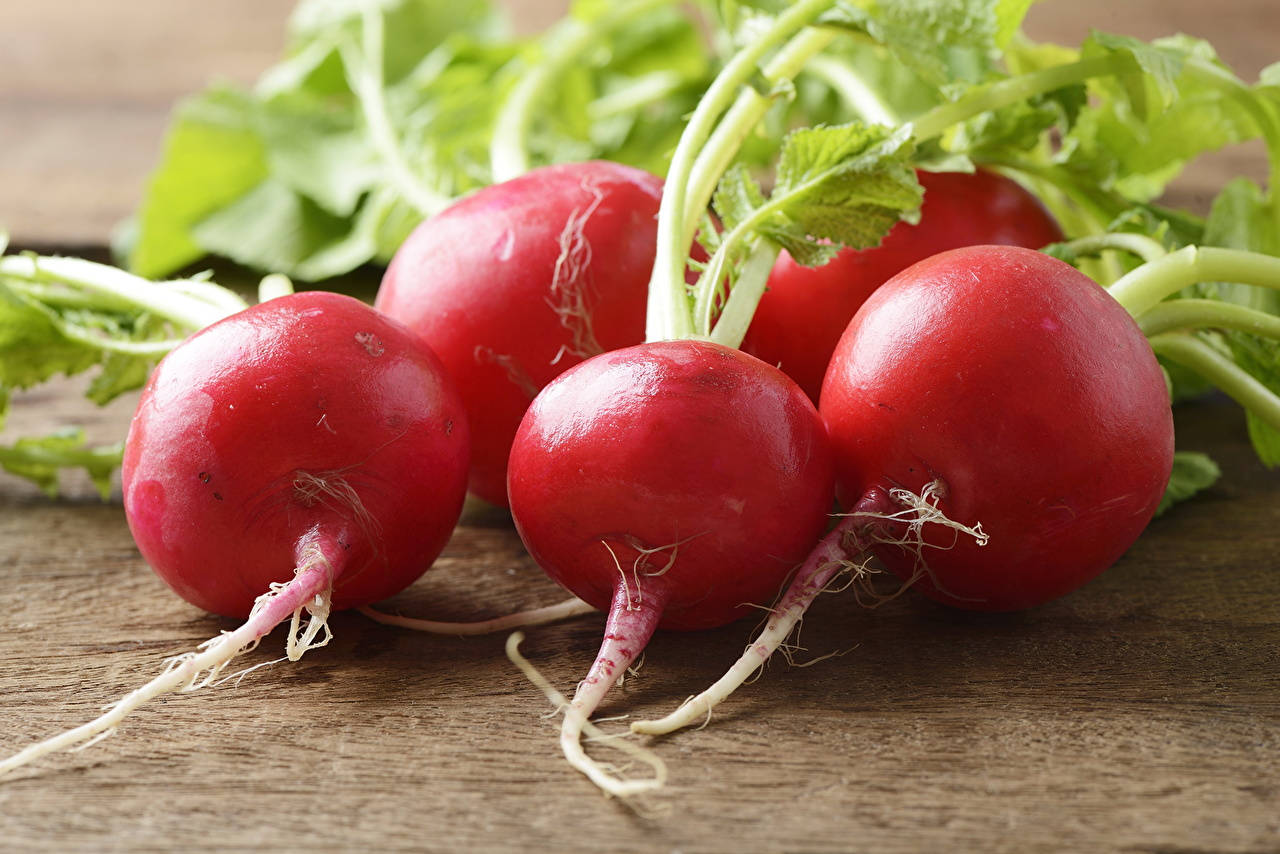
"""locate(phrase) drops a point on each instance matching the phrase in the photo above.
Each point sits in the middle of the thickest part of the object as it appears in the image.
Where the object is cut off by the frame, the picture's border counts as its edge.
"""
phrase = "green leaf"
(318, 154)
(120, 373)
(413, 27)
(738, 196)
(272, 228)
(289, 178)
(1242, 217)
(942, 40)
(32, 346)
(212, 156)
(848, 184)
(1147, 125)
(40, 460)
(1192, 473)
(1265, 440)
(1163, 63)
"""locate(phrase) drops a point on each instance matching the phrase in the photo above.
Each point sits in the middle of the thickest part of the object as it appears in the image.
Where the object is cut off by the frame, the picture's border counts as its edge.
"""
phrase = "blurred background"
(86, 87)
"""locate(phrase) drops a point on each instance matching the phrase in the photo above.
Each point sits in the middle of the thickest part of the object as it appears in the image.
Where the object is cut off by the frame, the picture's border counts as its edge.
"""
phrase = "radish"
(673, 483)
(805, 309)
(1001, 388)
(679, 481)
(305, 454)
(1027, 397)
(522, 280)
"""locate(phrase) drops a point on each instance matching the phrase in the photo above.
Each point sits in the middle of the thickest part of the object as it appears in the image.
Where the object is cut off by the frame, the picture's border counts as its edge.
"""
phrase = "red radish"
(522, 280)
(992, 386)
(805, 309)
(1029, 395)
(674, 483)
(306, 453)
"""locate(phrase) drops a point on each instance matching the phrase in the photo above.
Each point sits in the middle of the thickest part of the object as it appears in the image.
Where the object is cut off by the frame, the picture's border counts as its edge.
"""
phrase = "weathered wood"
(1141, 713)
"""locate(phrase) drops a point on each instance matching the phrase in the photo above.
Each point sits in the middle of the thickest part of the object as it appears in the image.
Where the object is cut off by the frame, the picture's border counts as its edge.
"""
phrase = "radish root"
(574, 607)
(308, 591)
(815, 574)
(569, 283)
(607, 778)
(835, 555)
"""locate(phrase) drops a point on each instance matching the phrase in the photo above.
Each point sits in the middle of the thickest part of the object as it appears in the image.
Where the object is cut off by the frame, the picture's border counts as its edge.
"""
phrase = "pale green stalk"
(1235, 381)
(669, 316)
(364, 75)
(1181, 314)
(1142, 289)
(508, 150)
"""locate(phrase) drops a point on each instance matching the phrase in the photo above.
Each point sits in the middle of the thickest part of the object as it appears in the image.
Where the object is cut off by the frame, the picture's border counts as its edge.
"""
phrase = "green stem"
(747, 111)
(1100, 205)
(1140, 290)
(668, 313)
(1012, 90)
(639, 93)
(274, 285)
(745, 296)
(508, 151)
(152, 349)
(1144, 247)
(853, 90)
(1185, 350)
(163, 300)
(1179, 314)
(364, 75)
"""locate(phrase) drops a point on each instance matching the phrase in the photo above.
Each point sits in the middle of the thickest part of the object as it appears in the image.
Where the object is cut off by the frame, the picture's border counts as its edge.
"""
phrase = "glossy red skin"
(661, 443)
(317, 383)
(476, 283)
(806, 309)
(1030, 393)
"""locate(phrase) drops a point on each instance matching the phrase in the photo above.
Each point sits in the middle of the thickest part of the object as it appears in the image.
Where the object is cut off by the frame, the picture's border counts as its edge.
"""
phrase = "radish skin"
(805, 310)
(520, 281)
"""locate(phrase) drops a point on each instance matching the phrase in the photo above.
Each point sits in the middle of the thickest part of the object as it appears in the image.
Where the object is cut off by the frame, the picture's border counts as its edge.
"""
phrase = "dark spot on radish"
(204, 477)
(714, 380)
(218, 495)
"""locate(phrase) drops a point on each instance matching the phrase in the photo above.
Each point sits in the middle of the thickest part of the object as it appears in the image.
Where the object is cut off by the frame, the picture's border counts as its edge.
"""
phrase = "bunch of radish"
(993, 422)
(1000, 427)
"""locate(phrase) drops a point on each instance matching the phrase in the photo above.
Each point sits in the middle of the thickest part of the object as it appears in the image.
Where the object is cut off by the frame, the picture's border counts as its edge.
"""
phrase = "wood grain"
(1141, 713)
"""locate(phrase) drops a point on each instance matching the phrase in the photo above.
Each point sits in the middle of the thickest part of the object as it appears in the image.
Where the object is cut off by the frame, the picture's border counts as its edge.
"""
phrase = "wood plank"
(1140, 713)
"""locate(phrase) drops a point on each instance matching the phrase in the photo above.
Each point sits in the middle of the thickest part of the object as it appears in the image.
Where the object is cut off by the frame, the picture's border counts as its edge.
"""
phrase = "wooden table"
(1141, 713)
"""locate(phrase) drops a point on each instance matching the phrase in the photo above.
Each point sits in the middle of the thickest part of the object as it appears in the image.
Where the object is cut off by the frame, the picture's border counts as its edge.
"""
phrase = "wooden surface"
(1141, 713)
